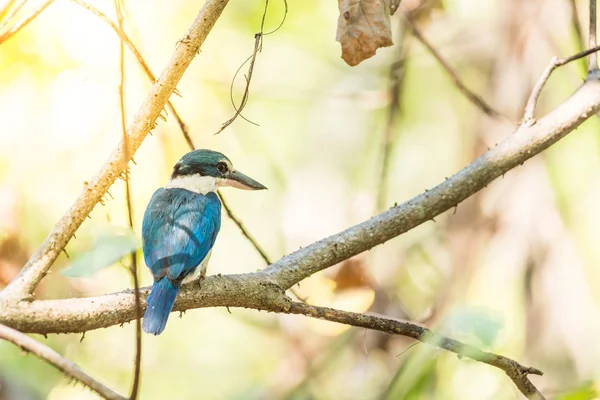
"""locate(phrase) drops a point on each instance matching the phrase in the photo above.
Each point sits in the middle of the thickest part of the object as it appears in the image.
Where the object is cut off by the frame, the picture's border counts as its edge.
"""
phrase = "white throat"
(194, 183)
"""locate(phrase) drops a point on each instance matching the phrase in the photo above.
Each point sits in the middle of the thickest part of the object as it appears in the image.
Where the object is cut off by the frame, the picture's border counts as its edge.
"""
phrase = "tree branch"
(37, 267)
(469, 94)
(515, 371)
(62, 364)
(10, 11)
(396, 85)
(138, 56)
(134, 270)
(20, 25)
(593, 39)
(554, 63)
(576, 26)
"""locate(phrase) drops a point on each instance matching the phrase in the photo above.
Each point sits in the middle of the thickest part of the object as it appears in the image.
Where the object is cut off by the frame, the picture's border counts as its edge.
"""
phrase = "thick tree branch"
(67, 367)
(37, 267)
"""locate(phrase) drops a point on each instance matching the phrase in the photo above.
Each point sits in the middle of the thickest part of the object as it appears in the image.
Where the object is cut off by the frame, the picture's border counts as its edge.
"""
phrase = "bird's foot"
(200, 279)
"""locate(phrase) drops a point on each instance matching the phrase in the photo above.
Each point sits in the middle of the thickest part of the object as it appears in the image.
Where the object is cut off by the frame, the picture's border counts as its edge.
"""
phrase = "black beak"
(241, 181)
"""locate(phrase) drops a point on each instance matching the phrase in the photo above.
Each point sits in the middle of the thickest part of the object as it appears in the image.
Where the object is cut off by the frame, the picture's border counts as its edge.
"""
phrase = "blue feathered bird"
(180, 226)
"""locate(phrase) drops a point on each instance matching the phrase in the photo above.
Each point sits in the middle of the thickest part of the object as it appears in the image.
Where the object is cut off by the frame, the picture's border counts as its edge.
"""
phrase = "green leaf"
(586, 391)
(110, 246)
(479, 323)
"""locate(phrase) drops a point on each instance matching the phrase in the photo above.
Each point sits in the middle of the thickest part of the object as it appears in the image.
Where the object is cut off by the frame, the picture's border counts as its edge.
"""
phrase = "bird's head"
(206, 170)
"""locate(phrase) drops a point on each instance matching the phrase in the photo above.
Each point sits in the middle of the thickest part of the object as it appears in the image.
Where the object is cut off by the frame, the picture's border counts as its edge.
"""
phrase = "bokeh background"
(514, 270)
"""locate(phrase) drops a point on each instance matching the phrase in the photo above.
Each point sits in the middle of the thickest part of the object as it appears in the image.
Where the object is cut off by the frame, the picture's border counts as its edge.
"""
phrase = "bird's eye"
(222, 167)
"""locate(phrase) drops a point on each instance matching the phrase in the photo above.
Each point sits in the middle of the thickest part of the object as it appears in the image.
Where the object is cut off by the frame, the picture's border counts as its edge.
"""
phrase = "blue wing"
(179, 229)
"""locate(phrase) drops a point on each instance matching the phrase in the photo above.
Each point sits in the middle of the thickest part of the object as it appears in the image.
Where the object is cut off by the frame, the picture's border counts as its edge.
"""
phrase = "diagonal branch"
(469, 94)
(67, 367)
(576, 26)
(145, 119)
(8, 12)
(20, 25)
(515, 371)
(138, 56)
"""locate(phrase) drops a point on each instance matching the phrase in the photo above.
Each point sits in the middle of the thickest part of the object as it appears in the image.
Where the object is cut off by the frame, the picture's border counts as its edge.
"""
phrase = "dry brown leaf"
(352, 274)
(363, 27)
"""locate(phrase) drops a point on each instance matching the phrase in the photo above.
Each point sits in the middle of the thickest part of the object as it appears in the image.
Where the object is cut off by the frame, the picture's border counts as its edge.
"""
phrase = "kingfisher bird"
(180, 226)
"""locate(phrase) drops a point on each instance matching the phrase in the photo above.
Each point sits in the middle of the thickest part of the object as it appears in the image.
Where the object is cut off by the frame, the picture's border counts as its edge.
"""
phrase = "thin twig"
(593, 40)
(5, 9)
(20, 25)
(141, 61)
(554, 63)
(10, 11)
(238, 109)
(244, 231)
(577, 32)
(37, 267)
(67, 367)
(134, 270)
(515, 371)
(576, 26)
(258, 40)
(469, 94)
(396, 76)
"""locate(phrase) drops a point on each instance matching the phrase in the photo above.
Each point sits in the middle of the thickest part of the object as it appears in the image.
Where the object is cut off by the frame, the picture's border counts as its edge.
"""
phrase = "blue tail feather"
(159, 305)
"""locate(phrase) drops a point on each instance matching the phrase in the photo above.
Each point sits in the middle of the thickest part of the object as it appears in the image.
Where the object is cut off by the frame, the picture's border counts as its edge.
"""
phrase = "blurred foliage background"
(513, 270)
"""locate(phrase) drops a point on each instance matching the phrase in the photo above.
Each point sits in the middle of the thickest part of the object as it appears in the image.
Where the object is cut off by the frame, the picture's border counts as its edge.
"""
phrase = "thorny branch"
(67, 367)
(37, 267)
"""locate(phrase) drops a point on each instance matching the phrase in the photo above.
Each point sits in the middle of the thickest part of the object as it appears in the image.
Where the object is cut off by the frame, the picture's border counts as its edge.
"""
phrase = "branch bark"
(145, 119)
(50, 356)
